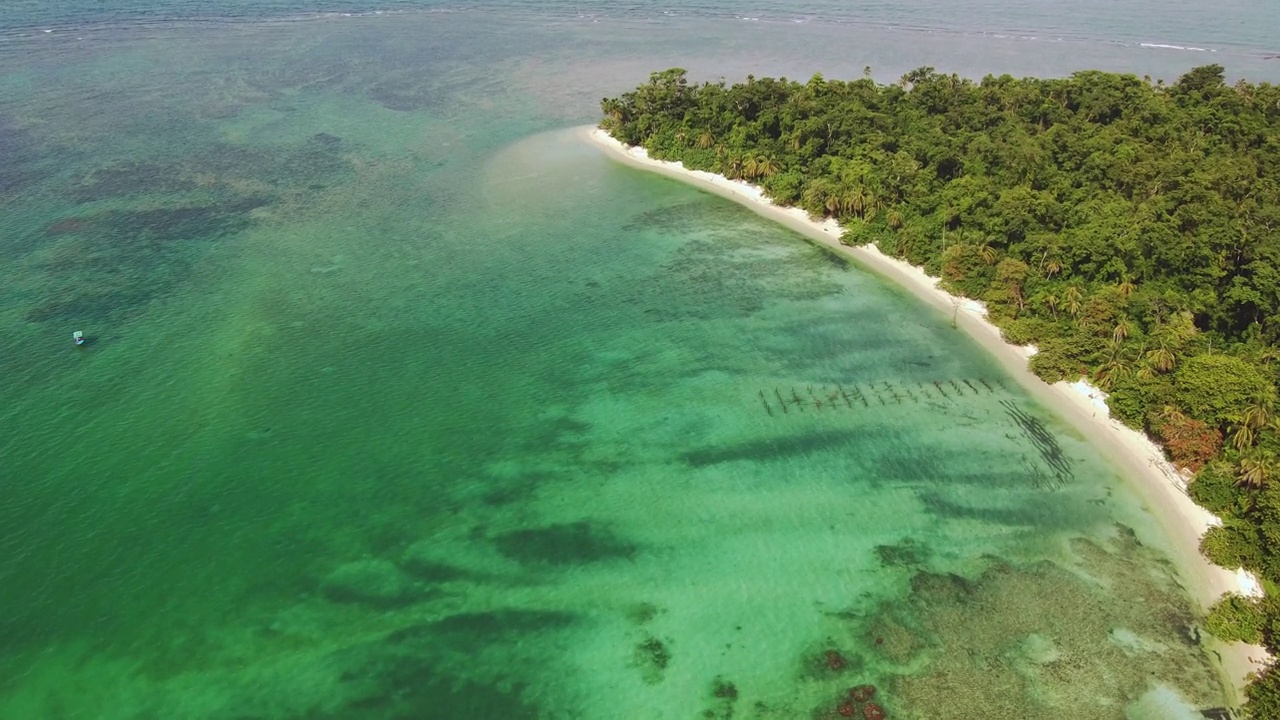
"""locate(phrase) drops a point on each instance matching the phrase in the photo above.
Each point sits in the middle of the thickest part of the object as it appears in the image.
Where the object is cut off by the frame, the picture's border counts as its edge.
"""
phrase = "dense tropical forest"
(1128, 228)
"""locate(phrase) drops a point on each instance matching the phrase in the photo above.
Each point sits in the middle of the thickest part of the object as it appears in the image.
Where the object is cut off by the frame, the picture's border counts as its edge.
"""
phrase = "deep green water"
(403, 402)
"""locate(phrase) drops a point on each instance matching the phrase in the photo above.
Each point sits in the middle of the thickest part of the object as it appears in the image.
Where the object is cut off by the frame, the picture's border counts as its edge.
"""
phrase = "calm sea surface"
(400, 401)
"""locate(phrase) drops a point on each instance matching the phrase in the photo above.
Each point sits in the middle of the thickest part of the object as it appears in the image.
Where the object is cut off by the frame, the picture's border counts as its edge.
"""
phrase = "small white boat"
(78, 337)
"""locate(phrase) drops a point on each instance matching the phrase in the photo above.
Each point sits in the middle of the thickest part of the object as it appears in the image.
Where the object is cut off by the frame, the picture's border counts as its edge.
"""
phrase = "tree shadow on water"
(771, 448)
(420, 672)
(563, 544)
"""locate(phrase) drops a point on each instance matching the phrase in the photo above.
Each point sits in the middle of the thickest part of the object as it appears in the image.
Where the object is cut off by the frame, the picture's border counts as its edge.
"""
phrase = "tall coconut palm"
(1126, 288)
(1073, 297)
(1112, 371)
(766, 167)
(852, 201)
(1256, 416)
(860, 201)
(872, 208)
(1114, 346)
(1256, 469)
(734, 168)
(1260, 411)
(1051, 302)
(987, 253)
(1121, 331)
(1171, 414)
(1115, 368)
(1242, 436)
(613, 109)
(894, 219)
(1161, 358)
(1052, 267)
(1145, 371)
(706, 140)
(819, 194)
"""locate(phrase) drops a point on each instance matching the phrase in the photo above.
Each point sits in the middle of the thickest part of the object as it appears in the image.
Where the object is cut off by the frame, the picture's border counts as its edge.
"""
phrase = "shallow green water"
(401, 403)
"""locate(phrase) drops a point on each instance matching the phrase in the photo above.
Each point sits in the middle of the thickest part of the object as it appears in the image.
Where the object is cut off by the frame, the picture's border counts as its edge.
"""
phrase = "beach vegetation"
(1233, 544)
(1213, 488)
(1191, 443)
(1128, 229)
(1237, 618)
(1264, 695)
(1257, 469)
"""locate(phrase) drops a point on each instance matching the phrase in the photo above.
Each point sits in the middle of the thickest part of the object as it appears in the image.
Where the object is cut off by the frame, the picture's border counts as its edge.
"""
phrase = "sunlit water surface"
(400, 401)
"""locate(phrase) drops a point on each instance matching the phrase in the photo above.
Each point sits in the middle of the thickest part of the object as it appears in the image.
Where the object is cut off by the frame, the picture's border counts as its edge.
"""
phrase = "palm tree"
(1256, 469)
(1073, 297)
(1171, 414)
(872, 207)
(988, 253)
(1255, 417)
(613, 109)
(705, 140)
(735, 168)
(1115, 368)
(750, 168)
(1242, 436)
(1114, 346)
(766, 167)
(1268, 355)
(1161, 358)
(894, 219)
(1260, 410)
(819, 194)
(1053, 267)
(1126, 288)
(1051, 301)
(1121, 332)
(1111, 371)
(854, 201)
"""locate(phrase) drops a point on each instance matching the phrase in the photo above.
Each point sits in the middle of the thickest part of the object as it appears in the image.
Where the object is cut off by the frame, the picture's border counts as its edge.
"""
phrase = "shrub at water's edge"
(1129, 229)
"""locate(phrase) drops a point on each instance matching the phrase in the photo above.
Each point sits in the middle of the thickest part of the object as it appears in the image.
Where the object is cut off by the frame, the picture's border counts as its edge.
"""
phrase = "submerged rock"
(642, 613)
(834, 660)
(1046, 640)
(652, 657)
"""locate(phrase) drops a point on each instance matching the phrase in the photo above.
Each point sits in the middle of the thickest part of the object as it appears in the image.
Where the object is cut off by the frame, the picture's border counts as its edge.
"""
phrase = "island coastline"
(1081, 404)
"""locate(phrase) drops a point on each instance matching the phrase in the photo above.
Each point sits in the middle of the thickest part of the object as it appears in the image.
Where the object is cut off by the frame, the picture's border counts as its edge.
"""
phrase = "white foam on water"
(1163, 46)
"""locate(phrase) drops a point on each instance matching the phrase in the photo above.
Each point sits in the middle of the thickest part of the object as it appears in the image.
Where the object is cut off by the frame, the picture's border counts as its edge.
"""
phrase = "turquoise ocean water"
(403, 402)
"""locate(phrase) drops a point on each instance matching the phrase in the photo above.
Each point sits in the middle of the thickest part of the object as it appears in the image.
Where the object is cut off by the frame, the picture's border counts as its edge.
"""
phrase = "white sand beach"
(1081, 404)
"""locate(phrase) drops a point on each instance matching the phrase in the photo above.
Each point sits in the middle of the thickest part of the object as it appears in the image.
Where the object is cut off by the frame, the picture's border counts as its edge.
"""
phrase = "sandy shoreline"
(1079, 403)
